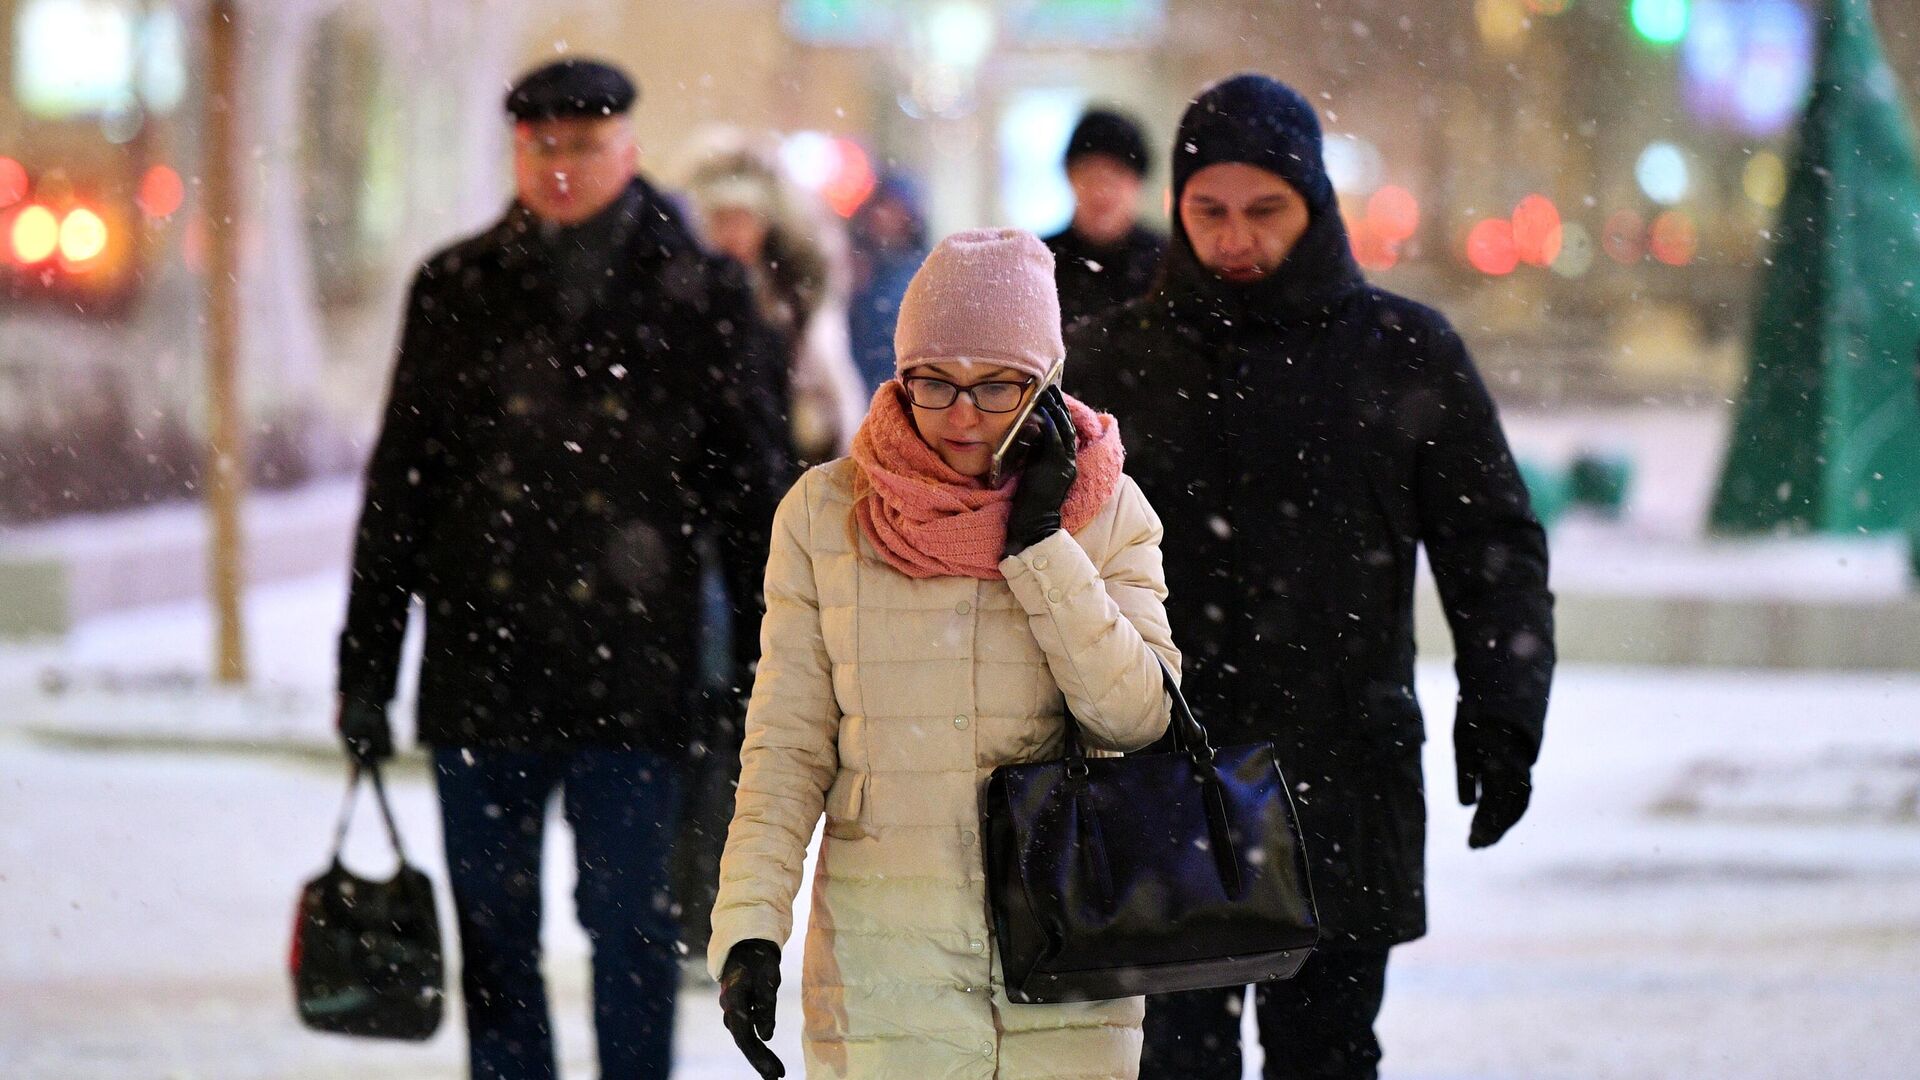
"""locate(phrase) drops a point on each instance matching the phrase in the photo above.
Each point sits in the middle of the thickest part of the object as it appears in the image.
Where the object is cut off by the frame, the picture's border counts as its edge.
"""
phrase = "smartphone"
(1011, 454)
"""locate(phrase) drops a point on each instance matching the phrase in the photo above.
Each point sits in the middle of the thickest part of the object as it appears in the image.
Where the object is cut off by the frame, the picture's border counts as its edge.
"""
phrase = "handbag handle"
(1190, 739)
(380, 797)
(1189, 735)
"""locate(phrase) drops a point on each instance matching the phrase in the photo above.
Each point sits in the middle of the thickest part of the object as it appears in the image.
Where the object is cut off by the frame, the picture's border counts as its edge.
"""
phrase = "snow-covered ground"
(147, 896)
(1720, 878)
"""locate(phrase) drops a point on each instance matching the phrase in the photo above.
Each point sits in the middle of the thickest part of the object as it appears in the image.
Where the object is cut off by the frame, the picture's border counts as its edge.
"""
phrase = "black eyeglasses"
(988, 397)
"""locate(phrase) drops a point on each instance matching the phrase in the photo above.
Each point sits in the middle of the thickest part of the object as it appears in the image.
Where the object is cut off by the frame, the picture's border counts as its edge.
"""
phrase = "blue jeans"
(622, 806)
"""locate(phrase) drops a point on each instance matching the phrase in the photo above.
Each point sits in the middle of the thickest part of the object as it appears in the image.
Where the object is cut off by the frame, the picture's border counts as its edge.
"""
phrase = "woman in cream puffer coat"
(904, 658)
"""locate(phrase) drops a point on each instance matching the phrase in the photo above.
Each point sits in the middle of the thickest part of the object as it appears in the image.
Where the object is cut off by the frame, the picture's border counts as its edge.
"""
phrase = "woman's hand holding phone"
(1048, 475)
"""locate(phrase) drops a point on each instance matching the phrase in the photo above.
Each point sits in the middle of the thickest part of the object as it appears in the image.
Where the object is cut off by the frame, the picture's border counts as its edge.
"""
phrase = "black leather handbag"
(1146, 874)
(366, 955)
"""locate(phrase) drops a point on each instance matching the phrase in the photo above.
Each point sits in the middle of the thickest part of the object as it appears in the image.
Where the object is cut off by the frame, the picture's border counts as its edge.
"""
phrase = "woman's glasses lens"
(990, 397)
(931, 393)
(998, 396)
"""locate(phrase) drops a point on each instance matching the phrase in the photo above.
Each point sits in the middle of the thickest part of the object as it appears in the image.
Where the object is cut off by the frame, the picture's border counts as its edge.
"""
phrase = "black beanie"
(1103, 131)
(1257, 121)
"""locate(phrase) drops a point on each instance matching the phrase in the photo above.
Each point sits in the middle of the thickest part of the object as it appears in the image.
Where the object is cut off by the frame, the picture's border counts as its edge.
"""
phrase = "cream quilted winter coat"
(885, 701)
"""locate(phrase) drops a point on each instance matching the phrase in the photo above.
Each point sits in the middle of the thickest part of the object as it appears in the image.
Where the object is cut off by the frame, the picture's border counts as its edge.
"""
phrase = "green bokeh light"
(1663, 22)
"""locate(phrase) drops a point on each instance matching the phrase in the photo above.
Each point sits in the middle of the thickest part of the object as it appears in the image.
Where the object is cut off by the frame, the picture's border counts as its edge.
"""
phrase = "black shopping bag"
(366, 955)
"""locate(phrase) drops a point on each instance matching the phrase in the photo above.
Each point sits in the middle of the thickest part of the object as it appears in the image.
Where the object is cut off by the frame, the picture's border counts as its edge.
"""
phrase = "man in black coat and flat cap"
(581, 394)
(1104, 257)
(1301, 434)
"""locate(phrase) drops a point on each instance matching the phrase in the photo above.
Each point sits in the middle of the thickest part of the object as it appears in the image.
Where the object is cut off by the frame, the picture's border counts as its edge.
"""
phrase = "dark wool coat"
(571, 410)
(1095, 280)
(1301, 438)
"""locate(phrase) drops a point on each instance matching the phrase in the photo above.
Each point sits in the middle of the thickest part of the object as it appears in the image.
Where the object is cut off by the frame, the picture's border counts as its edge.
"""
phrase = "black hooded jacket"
(571, 410)
(1300, 438)
(1094, 279)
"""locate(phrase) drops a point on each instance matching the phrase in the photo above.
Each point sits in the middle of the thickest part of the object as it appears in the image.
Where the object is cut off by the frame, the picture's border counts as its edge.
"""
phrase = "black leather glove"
(749, 982)
(1049, 473)
(364, 731)
(1495, 776)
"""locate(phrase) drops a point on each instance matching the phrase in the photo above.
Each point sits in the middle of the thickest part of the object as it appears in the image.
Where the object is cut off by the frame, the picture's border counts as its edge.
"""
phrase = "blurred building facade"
(1585, 185)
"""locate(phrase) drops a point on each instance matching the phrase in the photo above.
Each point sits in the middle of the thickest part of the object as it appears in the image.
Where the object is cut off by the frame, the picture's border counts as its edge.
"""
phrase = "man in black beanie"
(1104, 257)
(1301, 433)
(581, 397)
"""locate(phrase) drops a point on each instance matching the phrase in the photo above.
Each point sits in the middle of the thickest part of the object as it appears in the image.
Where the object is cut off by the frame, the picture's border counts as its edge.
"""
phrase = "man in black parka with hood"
(1301, 433)
(582, 394)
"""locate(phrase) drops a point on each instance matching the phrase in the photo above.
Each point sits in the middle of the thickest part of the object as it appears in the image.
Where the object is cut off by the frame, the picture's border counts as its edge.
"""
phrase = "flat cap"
(572, 87)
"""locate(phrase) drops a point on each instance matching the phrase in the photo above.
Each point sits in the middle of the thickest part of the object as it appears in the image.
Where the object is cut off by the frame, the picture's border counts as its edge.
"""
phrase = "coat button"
(960, 722)
(1053, 596)
(1039, 562)
(986, 1049)
(977, 945)
(967, 836)
(963, 607)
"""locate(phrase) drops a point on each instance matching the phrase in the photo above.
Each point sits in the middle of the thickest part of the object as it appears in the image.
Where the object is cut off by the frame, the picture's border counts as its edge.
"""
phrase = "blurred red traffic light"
(161, 192)
(1491, 248)
(852, 180)
(1395, 213)
(1537, 231)
(1371, 247)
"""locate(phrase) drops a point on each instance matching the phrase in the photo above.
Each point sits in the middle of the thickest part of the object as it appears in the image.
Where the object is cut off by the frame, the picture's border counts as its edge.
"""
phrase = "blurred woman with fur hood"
(795, 256)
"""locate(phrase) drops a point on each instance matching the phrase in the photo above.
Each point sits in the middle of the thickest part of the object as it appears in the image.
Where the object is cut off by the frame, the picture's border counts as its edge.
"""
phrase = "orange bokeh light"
(1491, 249)
(852, 180)
(1371, 247)
(1395, 213)
(14, 184)
(1537, 231)
(83, 236)
(161, 192)
(35, 234)
(1675, 241)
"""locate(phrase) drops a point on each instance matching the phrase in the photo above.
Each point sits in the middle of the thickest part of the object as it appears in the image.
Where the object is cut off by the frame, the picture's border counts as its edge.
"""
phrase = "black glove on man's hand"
(1501, 785)
(1049, 473)
(749, 982)
(364, 731)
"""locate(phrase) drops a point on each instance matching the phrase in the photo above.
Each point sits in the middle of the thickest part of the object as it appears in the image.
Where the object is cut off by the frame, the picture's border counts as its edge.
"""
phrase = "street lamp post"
(226, 470)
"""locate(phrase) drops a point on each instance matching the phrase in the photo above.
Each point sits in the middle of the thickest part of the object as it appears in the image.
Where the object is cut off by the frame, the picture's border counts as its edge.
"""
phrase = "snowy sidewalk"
(55, 575)
(1654, 917)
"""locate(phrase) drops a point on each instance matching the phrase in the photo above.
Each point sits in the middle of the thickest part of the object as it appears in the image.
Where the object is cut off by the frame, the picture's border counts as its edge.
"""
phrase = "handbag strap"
(380, 797)
(1190, 739)
(1189, 735)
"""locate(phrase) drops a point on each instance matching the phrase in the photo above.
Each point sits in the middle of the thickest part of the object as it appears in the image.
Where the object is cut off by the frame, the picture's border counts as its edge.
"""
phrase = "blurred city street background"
(1720, 874)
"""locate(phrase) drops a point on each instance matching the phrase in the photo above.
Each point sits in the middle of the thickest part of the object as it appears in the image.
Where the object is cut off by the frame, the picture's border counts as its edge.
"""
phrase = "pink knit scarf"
(928, 521)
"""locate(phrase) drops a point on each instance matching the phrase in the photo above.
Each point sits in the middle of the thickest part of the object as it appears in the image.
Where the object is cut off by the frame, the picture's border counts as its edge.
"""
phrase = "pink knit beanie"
(984, 294)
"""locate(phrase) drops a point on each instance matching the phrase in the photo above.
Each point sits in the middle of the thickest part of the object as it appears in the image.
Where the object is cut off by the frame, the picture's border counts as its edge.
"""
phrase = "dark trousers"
(713, 770)
(622, 807)
(1318, 1024)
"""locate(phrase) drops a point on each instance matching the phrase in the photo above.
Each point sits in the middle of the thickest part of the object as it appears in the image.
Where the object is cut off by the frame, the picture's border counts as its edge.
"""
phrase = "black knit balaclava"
(1265, 123)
